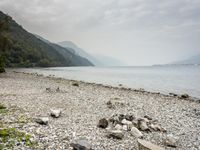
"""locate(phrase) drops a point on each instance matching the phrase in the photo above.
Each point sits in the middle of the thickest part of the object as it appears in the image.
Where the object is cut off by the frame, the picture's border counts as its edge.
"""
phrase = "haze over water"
(164, 79)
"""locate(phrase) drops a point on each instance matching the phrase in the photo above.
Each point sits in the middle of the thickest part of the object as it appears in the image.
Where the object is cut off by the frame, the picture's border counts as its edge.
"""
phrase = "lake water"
(164, 79)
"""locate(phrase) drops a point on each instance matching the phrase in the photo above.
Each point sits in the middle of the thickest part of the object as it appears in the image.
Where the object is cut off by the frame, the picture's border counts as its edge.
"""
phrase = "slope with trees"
(26, 50)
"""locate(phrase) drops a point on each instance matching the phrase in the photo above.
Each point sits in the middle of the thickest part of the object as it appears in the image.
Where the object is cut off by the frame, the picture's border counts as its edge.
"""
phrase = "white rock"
(135, 132)
(126, 122)
(142, 125)
(125, 127)
(145, 145)
(157, 127)
(55, 113)
(118, 127)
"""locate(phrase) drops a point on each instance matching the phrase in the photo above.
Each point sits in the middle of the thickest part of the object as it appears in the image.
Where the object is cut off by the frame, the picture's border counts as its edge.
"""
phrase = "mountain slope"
(26, 50)
(69, 54)
(98, 60)
(109, 61)
(190, 61)
(79, 51)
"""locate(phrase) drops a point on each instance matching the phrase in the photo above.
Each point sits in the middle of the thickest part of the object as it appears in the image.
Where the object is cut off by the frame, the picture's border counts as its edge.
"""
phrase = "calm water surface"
(164, 79)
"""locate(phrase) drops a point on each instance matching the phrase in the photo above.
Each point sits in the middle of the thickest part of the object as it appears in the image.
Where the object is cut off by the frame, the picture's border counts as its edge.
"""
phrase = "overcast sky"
(137, 32)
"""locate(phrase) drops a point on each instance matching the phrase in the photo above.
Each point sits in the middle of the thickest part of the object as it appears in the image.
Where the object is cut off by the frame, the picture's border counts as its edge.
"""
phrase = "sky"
(136, 32)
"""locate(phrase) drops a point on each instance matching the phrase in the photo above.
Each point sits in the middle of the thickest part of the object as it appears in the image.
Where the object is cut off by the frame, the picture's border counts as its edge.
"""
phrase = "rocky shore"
(38, 112)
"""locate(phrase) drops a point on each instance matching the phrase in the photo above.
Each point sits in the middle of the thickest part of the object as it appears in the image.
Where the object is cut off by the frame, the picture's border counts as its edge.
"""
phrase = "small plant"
(10, 136)
(2, 106)
(3, 109)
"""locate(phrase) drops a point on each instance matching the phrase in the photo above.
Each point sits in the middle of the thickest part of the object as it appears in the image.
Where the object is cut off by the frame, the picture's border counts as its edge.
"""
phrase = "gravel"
(84, 105)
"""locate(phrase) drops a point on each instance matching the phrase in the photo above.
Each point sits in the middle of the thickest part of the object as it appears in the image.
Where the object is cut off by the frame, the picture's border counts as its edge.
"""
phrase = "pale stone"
(145, 145)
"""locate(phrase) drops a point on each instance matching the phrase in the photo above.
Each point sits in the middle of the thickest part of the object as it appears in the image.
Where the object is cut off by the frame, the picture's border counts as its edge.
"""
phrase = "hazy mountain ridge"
(98, 60)
(26, 50)
(195, 60)
(79, 51)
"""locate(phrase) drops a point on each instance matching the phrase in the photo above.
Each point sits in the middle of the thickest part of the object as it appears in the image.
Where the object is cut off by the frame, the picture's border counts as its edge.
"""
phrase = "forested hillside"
(26, 50)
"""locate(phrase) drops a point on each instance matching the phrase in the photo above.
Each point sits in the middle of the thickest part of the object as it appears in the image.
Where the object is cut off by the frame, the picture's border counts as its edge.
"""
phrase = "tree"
(3, 42)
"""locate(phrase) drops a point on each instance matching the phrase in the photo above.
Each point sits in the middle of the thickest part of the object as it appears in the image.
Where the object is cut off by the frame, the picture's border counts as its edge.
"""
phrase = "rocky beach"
(38, 112)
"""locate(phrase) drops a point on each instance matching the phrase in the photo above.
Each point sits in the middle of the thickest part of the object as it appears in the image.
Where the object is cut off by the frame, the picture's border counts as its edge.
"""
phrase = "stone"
(110, 105)
(157, 127)
(171, 141)
(129, 124)
(135, 132)
(81, 144)
(103, 123)
(121, 117)
(147, 117)
(75, 84)
(48, 90)
(145, 145)
(126, 122)
(58, 89)
(118, 127)
(184, 96)
(173, 94)
(55, 113)
(129, 117)
(125, 127)
(146, 120)
(135, 123)
(115, 134)
(42, 120)
(196, 112)
(115, 120)
(142, 125)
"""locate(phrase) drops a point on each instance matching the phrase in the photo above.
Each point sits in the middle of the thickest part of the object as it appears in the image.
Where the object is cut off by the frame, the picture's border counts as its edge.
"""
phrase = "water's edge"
(120, 87)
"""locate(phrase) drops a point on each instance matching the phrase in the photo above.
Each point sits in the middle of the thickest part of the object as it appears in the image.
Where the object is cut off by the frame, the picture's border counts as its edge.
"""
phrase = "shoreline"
(119, 87)
(28, 96)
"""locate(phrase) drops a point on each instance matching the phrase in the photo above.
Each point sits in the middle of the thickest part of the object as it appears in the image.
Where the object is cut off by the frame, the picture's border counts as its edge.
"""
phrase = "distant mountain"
(79, 51)
(97, 60)
(195, 60)
(69, 54)
(27, 50)
(109, 61)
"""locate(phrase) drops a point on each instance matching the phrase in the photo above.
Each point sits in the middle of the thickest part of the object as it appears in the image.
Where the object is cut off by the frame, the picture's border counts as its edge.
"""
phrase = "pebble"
(118, 127)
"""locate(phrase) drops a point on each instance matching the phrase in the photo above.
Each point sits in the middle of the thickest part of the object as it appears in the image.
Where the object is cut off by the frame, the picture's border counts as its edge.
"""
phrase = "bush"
(2, 69)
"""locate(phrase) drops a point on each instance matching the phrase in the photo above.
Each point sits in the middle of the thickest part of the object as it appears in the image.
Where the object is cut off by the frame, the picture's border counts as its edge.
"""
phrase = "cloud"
(158, 23)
